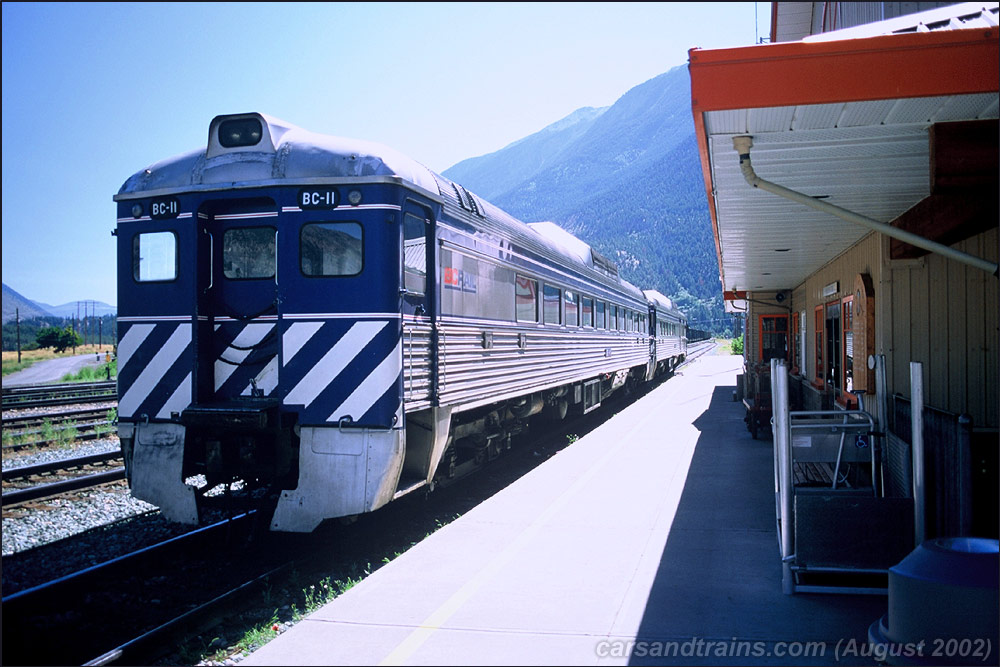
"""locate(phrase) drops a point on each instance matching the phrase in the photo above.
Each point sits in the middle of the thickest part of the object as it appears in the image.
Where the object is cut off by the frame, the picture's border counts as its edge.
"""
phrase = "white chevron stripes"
(369, 391)
(296, 336)
(152, 377)
(333, 362)
(248, 337)
(155, 369)
(180, 399)
(131, 341)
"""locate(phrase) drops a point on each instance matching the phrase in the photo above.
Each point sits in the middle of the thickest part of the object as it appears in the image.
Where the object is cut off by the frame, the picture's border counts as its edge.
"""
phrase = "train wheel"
(631, 385)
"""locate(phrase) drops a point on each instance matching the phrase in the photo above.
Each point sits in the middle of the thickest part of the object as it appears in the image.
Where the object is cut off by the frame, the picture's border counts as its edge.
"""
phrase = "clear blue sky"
(94, 92)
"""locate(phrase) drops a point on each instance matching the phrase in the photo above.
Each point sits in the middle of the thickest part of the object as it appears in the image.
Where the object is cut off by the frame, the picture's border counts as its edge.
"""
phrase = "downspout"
(742, 144)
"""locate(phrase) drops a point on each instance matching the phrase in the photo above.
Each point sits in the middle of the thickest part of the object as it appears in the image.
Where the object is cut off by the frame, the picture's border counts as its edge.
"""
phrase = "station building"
(850, 166)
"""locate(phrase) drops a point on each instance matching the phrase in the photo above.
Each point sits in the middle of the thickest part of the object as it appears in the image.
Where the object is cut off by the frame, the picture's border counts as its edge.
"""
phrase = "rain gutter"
(742, 144)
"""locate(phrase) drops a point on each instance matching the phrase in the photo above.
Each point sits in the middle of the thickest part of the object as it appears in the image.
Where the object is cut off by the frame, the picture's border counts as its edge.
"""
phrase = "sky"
(94, 92)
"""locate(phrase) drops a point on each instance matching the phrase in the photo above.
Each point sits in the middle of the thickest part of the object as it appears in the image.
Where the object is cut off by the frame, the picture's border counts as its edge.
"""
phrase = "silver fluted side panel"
(417, 379)
(472, 374)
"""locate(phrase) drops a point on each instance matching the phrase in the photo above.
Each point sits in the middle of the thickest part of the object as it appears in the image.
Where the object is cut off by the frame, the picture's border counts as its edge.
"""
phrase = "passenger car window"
(572, 309)
(526, 299)
(331, 249)
(551, 304)
(587, 311)
(154, 257)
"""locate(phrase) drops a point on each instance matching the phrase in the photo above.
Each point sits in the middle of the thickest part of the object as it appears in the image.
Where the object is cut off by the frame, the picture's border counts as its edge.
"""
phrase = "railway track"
(698, 349)
(60, 393)
(56, 435)
(61, 486)
(67, 621)
(34, 421)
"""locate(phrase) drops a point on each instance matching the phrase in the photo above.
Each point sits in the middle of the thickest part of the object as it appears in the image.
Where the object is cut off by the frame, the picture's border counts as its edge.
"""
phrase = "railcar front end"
(260, 334)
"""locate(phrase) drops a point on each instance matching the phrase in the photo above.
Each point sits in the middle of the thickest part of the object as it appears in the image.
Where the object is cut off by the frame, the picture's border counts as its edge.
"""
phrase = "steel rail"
(57, 387)
(86, 435)
(130, 649)
(56, 488)
(57, 587)
(23, 396)
(67, 426)
(61, 593)
(62, 464)
(63, 400)
(27, 421)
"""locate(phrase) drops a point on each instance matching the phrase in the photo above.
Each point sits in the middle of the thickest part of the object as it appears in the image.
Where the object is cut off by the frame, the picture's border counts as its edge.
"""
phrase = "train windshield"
(332, 249)
(248, 252)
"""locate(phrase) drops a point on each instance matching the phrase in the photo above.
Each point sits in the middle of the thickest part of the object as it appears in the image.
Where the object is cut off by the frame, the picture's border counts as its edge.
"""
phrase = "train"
(330, 325)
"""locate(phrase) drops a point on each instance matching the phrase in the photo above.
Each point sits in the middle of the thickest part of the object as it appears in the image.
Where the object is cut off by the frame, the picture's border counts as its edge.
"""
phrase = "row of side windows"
(562, 306)
(669, 328)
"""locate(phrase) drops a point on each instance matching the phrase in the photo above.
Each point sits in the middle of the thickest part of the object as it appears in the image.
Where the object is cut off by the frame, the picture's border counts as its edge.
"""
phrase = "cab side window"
(414, 253)
(154, 257)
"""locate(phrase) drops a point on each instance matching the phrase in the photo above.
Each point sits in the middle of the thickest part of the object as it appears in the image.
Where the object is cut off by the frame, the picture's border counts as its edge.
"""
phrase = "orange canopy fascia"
(920, 64)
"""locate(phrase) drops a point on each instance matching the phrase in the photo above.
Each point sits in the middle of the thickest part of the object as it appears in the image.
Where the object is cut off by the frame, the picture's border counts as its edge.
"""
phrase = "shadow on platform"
(717, 596)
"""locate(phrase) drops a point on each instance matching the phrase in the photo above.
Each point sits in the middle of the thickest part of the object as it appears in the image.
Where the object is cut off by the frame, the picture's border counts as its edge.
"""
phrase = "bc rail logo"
(457, 279)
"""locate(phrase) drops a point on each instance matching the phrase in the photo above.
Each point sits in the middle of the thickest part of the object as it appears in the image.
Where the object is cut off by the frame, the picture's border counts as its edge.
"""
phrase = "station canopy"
(885, 120)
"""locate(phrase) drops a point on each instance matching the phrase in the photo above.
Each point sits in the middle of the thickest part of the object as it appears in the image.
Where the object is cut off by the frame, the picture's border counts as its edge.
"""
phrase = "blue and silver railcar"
(334, 323)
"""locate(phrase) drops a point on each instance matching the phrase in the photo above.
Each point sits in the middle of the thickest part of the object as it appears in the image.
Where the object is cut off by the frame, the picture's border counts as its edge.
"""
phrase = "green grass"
(10, 438)
(13, 366)
(313, 596)
(93, 373)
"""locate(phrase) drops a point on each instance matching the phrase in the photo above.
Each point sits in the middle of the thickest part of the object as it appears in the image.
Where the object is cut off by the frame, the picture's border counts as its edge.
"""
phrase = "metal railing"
(824, 424)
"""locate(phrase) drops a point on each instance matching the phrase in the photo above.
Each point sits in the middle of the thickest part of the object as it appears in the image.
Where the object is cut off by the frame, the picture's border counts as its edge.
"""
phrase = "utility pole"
(17, 316)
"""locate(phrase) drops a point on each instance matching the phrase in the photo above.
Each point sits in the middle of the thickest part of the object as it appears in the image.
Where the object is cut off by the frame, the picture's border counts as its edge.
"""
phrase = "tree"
(57, 338)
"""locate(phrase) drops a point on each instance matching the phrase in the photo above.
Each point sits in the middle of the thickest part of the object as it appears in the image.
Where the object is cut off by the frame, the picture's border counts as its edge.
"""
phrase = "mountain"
(626, 179)
(15, 305)
(80, 308)
(497, 173)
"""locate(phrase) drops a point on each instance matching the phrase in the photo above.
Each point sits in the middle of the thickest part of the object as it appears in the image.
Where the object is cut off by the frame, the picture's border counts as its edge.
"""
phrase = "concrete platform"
(651, 540)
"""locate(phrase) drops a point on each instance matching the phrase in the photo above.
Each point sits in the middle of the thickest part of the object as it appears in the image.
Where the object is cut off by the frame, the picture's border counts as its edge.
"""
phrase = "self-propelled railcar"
(332, 323)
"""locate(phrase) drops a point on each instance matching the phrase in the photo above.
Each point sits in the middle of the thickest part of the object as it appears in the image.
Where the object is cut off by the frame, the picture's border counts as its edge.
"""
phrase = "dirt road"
(52, 370)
